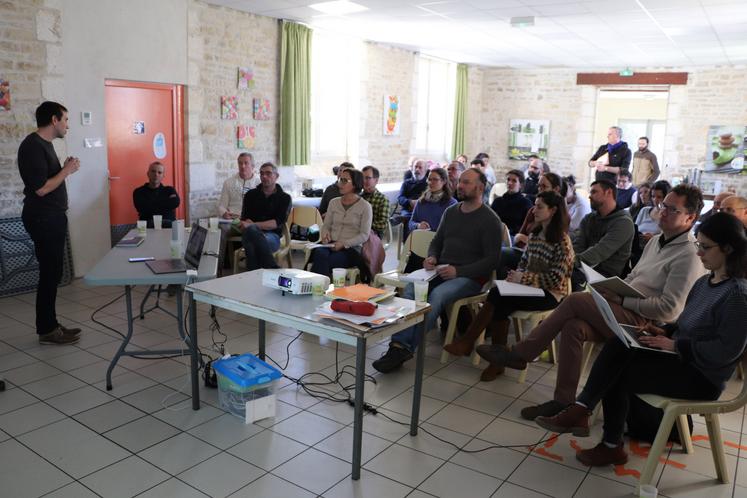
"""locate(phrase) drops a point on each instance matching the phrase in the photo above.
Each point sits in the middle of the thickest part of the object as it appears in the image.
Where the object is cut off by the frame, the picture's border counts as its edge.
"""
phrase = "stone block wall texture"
(387, 71)
(220, 41)
(29, 53)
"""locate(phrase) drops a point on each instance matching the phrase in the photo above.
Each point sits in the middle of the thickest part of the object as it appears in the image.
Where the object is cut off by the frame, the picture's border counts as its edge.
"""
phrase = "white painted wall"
(137, 40)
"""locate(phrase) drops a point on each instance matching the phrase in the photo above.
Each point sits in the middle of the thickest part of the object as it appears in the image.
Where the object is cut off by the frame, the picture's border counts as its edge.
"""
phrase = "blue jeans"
(323, 259)
(259, 246)
(441, 293)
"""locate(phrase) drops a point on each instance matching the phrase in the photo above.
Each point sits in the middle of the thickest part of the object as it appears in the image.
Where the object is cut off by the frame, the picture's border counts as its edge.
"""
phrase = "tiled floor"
(63, 435)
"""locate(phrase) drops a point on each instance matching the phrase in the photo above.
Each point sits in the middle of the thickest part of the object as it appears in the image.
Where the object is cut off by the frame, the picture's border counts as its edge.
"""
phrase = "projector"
(293, 280)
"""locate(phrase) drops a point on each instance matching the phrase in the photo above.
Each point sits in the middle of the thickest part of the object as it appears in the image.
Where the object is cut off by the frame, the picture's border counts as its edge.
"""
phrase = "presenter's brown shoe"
(57, 336)
(67, 331)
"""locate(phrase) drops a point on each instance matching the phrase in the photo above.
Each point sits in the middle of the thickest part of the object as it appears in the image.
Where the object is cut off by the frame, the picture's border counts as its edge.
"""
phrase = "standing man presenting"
(612, 157)
(44, 207)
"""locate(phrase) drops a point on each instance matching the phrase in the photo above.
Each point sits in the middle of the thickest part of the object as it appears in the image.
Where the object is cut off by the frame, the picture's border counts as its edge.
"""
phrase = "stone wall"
(220, 41)
(30, 44)
(387, 71)
(712, 96)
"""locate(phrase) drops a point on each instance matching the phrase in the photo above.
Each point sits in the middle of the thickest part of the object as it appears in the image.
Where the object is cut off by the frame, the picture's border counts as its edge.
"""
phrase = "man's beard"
(534, 176)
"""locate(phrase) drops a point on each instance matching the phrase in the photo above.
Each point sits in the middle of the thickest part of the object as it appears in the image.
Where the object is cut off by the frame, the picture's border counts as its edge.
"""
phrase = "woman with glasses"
(433, 202)
(347, 226)
(546, 264)
(708, 341)
(647, 220)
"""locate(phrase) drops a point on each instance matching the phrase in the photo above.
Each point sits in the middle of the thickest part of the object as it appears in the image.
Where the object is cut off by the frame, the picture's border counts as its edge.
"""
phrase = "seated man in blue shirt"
(263, 212)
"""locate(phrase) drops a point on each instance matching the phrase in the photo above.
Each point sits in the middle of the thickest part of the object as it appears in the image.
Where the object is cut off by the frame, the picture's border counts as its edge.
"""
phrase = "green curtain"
(460, 112)
(295, 94)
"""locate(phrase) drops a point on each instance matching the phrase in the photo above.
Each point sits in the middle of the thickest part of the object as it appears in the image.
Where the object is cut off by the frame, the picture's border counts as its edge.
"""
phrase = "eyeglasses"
(343, 181)
(703, 247)
(669, 209)
(434, 178)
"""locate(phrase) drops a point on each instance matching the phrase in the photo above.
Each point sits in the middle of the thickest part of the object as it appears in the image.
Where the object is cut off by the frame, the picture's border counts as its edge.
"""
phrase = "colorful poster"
(246, 78)
(527, 137)
(245, 137)
(4, 95)
(229, 107)
(391, 115)
(261, 109)
(725, 148)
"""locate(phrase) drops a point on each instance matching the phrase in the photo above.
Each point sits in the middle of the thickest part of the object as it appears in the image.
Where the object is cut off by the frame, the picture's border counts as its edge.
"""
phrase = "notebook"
(131, 241)
(628, 334)
(612, 284)
(192, 255)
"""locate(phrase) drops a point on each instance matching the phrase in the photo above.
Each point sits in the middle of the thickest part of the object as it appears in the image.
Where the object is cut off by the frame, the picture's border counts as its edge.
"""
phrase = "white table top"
(244, 293)
(115, 269)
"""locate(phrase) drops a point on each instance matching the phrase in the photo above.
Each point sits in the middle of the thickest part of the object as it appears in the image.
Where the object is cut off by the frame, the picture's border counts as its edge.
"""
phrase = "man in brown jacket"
(645, 165)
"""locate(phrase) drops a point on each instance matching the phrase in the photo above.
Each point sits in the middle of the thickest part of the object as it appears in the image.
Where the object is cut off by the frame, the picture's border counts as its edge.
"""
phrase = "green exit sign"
(626, 72)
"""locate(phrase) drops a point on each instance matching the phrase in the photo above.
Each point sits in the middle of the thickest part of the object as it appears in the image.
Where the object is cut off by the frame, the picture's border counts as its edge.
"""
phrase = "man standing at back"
(645, 164)
(44, 208)
(612, 157)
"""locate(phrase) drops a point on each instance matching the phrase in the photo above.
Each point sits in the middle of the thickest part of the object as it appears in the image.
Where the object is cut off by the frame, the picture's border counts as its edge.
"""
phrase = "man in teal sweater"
(463, 252)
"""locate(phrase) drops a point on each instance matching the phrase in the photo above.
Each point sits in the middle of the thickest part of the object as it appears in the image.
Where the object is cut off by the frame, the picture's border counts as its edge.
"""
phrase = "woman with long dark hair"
(547, 264)
(708, 340)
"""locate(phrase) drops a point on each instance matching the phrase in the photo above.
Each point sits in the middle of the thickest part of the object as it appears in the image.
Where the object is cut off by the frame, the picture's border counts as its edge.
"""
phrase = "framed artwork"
(261, 109)
(725, 147)
(391, 115)
(4, 95)
(229, 107)
(245, 137)
(245, 78)
(527, 137)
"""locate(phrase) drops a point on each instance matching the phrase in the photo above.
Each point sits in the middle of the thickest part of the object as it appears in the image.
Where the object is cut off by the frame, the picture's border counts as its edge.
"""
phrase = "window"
(435, 119)
(335, 81)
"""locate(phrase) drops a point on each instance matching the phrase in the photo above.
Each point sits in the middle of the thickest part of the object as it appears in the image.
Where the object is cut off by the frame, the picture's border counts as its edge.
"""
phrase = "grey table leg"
(194, 360)
(360, 374)
(125, 341)
(262, 325)
(418, 387)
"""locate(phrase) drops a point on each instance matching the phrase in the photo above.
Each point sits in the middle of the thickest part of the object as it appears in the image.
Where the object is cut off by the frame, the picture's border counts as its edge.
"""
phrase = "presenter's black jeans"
(48, 231)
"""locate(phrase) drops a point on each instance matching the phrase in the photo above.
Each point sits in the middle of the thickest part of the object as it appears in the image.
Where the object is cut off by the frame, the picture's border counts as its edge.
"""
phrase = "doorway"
(640, 112)
(144, 123)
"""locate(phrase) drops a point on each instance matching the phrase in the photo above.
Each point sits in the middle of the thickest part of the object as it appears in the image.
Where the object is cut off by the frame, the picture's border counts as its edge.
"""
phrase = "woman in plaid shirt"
(546, 264)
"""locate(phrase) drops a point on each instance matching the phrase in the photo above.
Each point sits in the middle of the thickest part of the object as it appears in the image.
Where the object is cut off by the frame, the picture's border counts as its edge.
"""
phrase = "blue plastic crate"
(244, 373)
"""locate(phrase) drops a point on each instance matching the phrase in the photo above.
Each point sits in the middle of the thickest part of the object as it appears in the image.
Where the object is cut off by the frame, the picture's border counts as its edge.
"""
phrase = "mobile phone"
(139, 260)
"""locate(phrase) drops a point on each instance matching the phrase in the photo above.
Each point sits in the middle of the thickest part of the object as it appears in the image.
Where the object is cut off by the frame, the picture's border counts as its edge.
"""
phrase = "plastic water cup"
(317, 287)
(203, 222)
(157, 221)
(214, 224)
(421, 291)
(338, 277)
(142, 227)
(648, 491)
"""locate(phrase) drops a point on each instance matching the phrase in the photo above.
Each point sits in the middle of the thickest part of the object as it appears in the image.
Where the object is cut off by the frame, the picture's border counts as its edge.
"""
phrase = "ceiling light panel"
(338, 7)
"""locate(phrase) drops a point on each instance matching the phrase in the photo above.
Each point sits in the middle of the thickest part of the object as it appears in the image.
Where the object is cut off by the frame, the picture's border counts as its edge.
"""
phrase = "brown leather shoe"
(602, 455)
(574, 419)
(67, 331)
(57, 336)
(458, 348)
(491, 373)
(499, 355)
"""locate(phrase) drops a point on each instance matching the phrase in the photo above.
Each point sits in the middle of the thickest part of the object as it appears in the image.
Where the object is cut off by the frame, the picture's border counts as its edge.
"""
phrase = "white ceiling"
(567, 33)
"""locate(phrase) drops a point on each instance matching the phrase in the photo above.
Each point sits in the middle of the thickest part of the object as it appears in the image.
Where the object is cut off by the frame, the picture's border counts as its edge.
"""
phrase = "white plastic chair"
(281, 255)
(676, 411)
(417, 243)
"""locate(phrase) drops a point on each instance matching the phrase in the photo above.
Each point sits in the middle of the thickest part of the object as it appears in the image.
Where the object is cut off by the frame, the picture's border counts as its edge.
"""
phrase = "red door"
(144, 123)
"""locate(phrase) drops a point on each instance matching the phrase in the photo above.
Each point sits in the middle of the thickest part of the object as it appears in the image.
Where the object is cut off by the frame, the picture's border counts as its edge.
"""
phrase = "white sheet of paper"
(421, 275)
(506, 288)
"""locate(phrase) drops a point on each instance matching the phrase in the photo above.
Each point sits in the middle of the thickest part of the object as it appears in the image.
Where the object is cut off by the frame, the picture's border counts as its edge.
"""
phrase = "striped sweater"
(548, 265)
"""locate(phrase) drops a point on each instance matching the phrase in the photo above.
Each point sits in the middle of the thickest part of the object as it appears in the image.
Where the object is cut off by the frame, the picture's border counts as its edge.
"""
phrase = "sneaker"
(392, 359)
(573, 419)
(547, 409)
(57, 336)
(602, 455)
(499, 355)
(67, 331)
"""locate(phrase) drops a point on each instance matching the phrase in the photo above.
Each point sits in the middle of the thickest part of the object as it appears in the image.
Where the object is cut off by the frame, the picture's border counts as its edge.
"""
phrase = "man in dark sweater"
(512, 206)
(263, 213)
(463, 253)
(612, 157)
(155, 198)
(44, 218)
